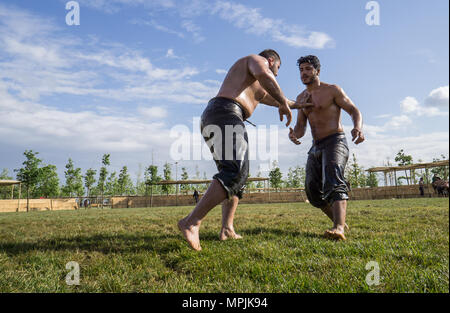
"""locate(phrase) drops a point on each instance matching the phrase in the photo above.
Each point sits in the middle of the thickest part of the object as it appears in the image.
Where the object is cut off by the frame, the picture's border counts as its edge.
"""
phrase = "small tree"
(151, 176)
(112, 185)
(355, 173)
(74, 180)
(372, 180)
(125, 184)
(403, 159)
(441, 171)
(184, 176)
(48, 182)
(167, 176)
(295, 177)
(275, 176)
(260, 183)
(102, 176)
(140, 184)
(29, 173)
(89, 180)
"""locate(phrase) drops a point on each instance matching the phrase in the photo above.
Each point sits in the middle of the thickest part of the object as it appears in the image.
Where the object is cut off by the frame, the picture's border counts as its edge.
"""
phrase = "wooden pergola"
(195, 182)
(389, 169)
(12, 183)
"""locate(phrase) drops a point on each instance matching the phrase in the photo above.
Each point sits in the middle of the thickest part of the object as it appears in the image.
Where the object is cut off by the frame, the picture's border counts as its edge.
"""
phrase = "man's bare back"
(251, 80)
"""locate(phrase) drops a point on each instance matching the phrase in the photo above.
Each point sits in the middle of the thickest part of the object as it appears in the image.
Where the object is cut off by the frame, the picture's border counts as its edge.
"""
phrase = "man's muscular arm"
(269, 100)
(299, 129)
(343, 101)
(259, 68)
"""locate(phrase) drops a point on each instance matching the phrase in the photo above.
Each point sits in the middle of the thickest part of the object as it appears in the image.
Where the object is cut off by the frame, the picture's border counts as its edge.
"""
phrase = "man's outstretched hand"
(293, 137)
(357, 136)
(284, 110)
(305, 101)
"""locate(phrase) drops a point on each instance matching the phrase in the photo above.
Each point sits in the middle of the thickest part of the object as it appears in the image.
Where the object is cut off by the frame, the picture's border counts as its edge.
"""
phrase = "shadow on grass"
(131, 243)
(106, 244)
(279, 232)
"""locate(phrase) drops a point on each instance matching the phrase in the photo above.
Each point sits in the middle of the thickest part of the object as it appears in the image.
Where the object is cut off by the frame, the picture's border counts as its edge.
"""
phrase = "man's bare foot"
(226, 233)
(190, 233)
(335, 234)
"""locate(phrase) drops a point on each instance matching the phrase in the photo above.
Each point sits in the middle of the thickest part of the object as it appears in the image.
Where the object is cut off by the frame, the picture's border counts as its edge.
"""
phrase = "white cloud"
(158, 26)
(170, 54)
(29, 122)
(438, 98)
(153, 112)
(194, 29)
(114, 6)
(255, 23)
(40, 64)
(221, 72)
(380, 144)
(409, 105)
(383, 116)
(398, 122)
(239, 15)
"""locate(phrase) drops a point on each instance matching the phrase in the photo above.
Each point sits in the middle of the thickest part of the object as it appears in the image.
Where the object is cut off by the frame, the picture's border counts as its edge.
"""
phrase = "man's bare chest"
(322, 103)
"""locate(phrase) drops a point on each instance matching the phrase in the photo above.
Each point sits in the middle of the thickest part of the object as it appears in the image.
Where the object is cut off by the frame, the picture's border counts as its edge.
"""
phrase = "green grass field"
(141, 250)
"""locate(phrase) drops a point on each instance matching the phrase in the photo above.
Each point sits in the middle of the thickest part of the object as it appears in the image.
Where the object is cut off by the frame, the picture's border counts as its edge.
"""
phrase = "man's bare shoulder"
(333, 88)
(254, 58)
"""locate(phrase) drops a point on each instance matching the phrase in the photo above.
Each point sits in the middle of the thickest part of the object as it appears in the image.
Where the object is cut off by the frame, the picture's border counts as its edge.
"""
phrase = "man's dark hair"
(311, 59)
(270, 53)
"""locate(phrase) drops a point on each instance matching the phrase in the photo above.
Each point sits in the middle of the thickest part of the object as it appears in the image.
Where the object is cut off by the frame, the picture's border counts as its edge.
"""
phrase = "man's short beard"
(311, 81)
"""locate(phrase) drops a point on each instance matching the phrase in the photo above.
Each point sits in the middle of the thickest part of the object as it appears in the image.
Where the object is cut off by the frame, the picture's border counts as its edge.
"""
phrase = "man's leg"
(339, 210)
(228, 210)
(328, 210)
(190, 225)
(334, 159)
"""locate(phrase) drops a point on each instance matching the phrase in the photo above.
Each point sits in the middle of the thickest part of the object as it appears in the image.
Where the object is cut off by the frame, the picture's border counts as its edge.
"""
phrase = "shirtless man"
(325, 185)
(251, 80)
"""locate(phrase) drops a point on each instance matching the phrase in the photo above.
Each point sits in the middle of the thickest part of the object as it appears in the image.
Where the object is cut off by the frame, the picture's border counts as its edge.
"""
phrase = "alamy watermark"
(73, 277)
(373, 277)
(73, 16)
(373, 17)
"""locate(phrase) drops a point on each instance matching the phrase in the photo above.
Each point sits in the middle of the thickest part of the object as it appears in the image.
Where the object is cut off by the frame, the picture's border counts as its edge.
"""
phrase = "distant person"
(434, 182)
(435, 178)
(195, 195)
(421, 187)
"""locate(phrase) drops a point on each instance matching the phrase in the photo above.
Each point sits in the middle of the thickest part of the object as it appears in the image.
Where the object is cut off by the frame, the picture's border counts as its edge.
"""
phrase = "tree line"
(41, 180)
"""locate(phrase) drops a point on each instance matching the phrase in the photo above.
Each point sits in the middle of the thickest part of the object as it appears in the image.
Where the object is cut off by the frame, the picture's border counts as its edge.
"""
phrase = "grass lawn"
(141, 250)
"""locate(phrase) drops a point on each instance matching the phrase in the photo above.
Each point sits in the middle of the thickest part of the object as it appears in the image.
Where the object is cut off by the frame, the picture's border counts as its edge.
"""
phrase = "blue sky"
(120, 81)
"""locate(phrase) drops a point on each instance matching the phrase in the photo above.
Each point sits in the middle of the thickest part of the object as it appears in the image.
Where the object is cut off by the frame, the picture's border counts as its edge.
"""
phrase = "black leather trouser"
(223, 129)
(325, 167)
